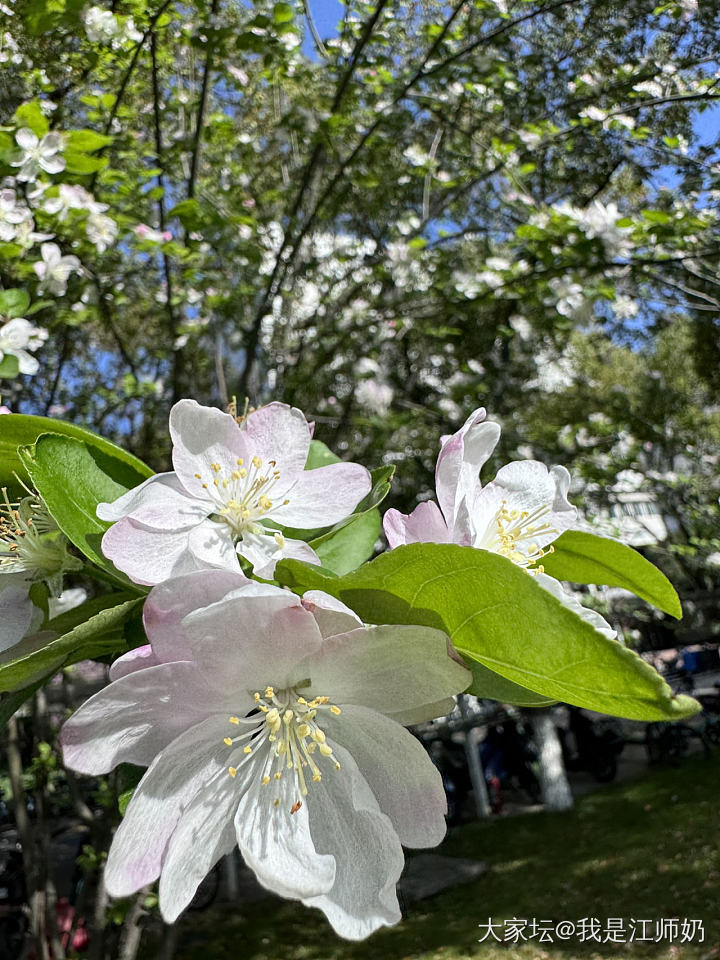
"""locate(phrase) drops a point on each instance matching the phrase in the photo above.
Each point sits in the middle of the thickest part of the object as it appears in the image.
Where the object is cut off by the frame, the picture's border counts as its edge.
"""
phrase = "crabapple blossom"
(32, 549)
(54, 269)
(38, 154)
(276, 724)
(101, 231)
(17, 337)
(517, 515)
(230, 480)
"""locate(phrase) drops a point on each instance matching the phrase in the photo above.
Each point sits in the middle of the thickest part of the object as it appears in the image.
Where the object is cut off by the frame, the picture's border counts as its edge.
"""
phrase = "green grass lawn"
(647, 849)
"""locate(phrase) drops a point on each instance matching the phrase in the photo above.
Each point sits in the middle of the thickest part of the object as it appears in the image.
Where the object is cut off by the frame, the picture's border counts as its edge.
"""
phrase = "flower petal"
(264, 551)
(204, 834)
(174, 599)
(26, 139)
(245, 642)
(279, 432)
(424, 525)
(177, 774)
(460, 459)
(147, 555)
(160, 502)
(388, 668)
(324, 496)
(16, 610)
(203, 436)
(407, 785)
(331, 614)
(345, 821)
(592, 617)
(138, 659)
(211, 544)
(275, 843)
(137, 716)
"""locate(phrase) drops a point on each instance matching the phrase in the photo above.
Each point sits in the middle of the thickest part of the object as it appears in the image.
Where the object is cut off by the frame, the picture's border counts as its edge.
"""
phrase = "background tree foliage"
(434, 207)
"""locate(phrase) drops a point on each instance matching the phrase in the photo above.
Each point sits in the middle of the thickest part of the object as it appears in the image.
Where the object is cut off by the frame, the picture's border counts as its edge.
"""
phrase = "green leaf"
(586, 558)
(45, 653)
(352, 545)
(18, 429)
(9, 367)
(498, 615)
(491, 686)
(14, 303)
(72, 479)
(320, 456)
(10, 703)
(31, 115)
(86, 141)
(80, 163)
(282, 13)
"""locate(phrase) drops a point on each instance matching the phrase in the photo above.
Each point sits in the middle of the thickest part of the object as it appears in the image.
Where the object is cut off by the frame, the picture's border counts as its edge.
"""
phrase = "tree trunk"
(556, 793)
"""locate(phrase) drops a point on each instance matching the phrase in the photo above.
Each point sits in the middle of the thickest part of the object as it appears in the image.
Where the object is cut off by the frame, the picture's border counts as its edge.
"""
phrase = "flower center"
(30, 541)
(286, 729)
(515, 533)
(243, 496)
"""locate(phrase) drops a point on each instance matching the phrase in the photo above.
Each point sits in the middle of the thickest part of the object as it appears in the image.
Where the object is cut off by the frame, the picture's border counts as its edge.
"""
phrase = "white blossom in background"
(9, 50)
(100, 25)
(600, 220)
(570, 296)
(54, 269)
(71, 196)
(12, 214)
(38, 154)
(101, 230)
(17, 337)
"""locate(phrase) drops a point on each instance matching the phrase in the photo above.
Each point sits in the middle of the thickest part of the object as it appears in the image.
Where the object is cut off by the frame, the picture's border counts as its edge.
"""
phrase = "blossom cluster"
(270, 721)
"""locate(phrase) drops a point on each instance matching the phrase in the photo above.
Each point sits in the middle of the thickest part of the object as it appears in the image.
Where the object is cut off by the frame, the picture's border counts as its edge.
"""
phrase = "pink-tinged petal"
(264, 551)
(324, 496)
(160, 502)
(276, 844)
(246, 642)
(211, 544)
(407, 785)
(281, 433)
(137, 716)
(387, 668)
(174, 778)
(16, 611)
(204, 834)
(346, 822)
(138, 659)
(147, 555)
(169, 602)
(331, 614)
(460, 459)
(203, 436)
(424, 525)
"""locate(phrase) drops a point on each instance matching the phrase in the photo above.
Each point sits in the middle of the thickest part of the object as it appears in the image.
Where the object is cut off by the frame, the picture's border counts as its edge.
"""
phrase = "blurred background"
(388, 215)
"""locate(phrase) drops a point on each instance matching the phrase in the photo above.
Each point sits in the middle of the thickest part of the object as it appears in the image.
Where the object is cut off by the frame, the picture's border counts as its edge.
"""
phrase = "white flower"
(374, 395)
(31, 543)
(37, 154)
(101, 231)
(518, 514)
(54, 269)
(12, 214)
(100, 25)
(17, 336)
(69, 197)
(272, 723)
(229, 481)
